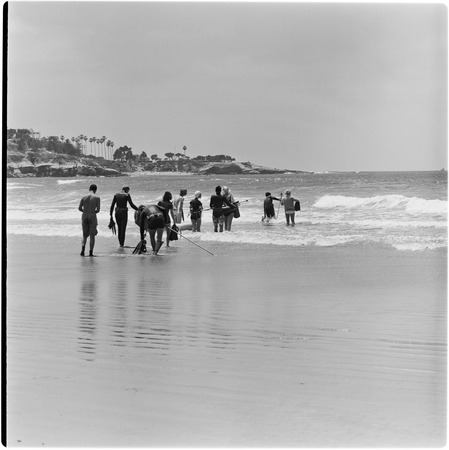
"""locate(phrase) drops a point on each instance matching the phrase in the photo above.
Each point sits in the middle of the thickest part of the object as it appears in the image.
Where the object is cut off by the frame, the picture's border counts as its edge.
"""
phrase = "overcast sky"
(306, 86)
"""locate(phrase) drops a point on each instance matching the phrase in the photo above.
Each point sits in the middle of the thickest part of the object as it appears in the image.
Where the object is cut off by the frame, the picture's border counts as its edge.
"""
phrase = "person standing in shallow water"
(228, 213)
(121, 201)
(167, 210)
(89, 206)
(178, 204)
(196, 208)
(289, 206)
(217, 202)
(268, 207)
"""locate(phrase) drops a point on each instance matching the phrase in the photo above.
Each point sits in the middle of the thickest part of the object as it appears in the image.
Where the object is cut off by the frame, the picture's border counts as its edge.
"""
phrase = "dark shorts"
(217, 219)
(156, 222)
(269, 212)
(217, 213)
(89, 223)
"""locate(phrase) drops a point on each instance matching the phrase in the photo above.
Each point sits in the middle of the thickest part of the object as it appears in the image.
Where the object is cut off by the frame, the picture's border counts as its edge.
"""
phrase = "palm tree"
(62, 138)
(102, 140)
(78, 144)
(112, 148)
(73, 141)
(98, 146)
(184, 148)
(84, 138)
(110, 145)
(78, 140)
(91, 140)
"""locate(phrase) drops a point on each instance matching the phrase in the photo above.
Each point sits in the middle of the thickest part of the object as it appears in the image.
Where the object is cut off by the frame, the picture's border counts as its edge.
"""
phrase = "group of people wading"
(156, 218)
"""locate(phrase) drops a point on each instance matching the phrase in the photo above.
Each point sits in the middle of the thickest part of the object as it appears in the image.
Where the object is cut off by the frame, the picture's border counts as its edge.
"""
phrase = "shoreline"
(141, 173)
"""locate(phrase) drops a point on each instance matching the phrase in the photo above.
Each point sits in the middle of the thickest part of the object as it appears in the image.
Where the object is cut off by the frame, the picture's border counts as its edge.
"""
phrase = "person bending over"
(152, 219)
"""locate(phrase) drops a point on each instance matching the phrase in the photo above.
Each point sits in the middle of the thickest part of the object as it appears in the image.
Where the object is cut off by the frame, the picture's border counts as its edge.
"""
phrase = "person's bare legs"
(168, 236)
(92, 245)
(152, 239)
(83, 245)
(228, 221)
(158, 244)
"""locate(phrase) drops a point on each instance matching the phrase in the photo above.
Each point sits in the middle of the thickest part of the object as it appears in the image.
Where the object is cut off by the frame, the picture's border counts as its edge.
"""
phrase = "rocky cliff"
(42, 163)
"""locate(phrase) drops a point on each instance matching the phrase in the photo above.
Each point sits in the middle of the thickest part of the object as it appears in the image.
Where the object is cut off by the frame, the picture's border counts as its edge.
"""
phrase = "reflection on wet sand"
(118, 302)
(89, 300)
(152, 308)
(173, 351)
(88, 319)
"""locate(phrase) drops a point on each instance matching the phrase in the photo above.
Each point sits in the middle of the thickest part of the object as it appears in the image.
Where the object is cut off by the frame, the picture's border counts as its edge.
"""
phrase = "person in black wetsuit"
(268, 207)
(120, 201)
(217, 202)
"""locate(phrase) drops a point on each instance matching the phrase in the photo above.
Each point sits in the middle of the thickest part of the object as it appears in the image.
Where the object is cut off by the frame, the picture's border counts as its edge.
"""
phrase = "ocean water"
(406, 211)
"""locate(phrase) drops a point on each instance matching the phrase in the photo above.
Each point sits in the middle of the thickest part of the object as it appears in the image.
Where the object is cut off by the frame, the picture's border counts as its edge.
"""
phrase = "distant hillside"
(44, 163)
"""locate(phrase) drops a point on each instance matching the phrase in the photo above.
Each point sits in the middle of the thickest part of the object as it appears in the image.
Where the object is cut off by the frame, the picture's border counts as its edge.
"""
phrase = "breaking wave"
(390, 202)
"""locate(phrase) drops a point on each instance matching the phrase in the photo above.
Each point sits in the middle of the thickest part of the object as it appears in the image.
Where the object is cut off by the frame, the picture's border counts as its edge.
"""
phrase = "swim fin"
(111, 226)
(141, 247)
(136, 251)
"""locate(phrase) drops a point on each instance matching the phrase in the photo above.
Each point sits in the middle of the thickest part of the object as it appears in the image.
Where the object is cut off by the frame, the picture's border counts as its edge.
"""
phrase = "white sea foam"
(417, 246)
(278, 236)
(419, 205)
(408, 204)
(11, 186)
(379, 223)
(37, 215)
(291, 237)
(44, 230)
(69, 181)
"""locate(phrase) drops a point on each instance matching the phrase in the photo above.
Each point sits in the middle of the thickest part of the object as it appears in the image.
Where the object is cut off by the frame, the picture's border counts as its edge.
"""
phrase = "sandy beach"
(255, 346)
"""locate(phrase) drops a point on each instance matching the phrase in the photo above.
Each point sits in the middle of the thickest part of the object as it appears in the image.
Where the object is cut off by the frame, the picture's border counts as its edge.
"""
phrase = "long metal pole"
(180, 234)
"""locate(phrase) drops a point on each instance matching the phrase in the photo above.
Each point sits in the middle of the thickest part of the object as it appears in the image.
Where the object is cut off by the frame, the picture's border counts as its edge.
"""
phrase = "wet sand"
(255, 346)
